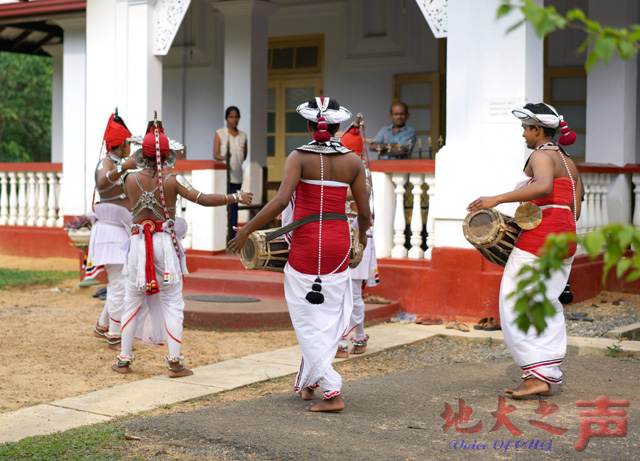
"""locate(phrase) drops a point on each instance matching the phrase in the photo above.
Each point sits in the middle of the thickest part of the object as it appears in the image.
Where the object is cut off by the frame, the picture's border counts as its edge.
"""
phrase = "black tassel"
(314, 296)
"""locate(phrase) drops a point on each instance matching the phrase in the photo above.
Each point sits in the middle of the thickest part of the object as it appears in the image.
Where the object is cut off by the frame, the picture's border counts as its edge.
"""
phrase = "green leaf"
(634, 36)
(539, 323)
(593, 243)
(504, 10)
(633, 276)
(623, 266)
(522, 305)
(625, 235)
(523, 322)
(592, 59)
(604, 48)
(627, 49)
(584, 45)
(576, 14)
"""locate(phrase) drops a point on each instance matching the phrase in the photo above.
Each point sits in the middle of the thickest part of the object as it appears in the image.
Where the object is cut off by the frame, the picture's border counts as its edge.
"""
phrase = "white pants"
(538, 355)
(357, 315)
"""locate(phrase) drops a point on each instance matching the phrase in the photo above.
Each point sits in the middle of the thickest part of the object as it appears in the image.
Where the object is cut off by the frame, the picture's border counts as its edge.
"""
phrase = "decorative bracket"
(168, 17)
(435, 12)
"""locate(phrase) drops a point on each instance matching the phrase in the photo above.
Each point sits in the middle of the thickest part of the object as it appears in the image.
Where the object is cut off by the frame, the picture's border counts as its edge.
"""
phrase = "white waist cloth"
(108, 233)
(537, 355)
(544, 207)
(319, 327)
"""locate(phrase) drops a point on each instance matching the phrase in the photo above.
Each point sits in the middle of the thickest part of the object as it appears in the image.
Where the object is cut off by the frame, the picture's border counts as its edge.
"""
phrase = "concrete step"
(268, 312)
(235, 283)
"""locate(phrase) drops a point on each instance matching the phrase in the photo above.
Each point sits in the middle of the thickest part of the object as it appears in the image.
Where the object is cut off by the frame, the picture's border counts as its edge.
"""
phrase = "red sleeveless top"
(554, 220)
(303, 251)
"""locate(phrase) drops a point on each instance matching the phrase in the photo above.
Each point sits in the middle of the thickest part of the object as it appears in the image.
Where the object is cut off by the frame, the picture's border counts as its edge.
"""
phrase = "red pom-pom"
(568, 137)
(321, 136)
(321, 119)
(322, 126)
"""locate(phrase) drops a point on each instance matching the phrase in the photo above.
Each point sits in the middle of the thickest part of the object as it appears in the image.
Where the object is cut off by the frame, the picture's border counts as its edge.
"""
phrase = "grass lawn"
(19, 278)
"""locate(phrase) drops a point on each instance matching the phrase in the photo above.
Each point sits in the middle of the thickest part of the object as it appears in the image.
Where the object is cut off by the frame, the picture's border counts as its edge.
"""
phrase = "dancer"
(317, 283)
(550, 179)
(156, 261)
(107, 233)
(366, 274)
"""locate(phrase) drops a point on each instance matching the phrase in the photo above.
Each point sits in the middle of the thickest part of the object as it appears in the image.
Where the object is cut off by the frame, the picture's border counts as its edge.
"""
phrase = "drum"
(492, 233)
(263, 252)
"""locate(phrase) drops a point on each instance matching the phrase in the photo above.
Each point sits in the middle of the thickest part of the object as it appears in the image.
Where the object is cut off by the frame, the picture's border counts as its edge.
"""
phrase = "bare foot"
(179, 373)
(114, 346)
(530, 386)
(342, 353)
(123, 370)
(359, 349)
(306, 393)
(97, 334)
(333, 404)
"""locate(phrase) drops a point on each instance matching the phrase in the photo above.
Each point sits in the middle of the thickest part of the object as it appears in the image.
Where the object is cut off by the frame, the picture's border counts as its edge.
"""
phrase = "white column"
(4, 199)
(399, 224)
(489, 73)
(13, 199)
(611, 108)
(416, 217)
(246, 75)
(52, 204)
(60, 195)
(73, 117)
(384, 201)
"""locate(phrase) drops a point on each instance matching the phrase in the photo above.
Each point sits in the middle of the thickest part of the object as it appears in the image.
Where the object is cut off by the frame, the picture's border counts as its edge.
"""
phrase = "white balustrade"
(416, 251)
(13, 199)
(60, 199)
(635, 178)
(41, 213)
(430, 179)
(51, 200)
(22, 198)
(399, 251)
(30, 198)
(4, 199)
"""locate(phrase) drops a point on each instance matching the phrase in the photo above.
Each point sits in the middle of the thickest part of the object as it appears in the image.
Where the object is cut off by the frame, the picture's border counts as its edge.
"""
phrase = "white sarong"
(156, 319)
(538, 355)
(319, 327)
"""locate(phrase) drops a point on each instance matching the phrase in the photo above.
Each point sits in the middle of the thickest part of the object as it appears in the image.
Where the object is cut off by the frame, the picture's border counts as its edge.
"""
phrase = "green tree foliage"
(605, 41)
(620, 243)
(25, 108)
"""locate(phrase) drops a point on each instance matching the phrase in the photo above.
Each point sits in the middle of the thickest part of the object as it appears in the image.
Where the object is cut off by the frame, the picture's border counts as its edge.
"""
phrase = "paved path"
(150, 393)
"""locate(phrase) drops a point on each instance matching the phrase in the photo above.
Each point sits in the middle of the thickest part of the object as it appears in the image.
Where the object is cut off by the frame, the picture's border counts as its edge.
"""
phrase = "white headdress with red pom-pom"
(554, 121)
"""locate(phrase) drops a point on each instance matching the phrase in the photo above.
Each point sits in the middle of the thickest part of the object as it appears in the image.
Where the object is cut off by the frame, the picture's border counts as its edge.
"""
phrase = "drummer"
(550, 179)
(317, 281)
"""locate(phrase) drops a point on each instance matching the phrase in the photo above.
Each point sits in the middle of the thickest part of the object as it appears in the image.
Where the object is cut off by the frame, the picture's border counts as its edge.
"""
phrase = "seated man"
(399, 135)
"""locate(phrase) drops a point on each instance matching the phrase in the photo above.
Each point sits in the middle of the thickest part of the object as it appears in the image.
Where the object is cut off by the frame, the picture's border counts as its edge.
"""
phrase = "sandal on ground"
(577, 316)
(481, 324)
(176, 367)
(492, 325)
(431, 321)
(123, 364)
(100, 291)
(408, 319)
(100, 330)
(361, 344)
(373, 298)
(400, 316)
(342, 352)
(455, 325)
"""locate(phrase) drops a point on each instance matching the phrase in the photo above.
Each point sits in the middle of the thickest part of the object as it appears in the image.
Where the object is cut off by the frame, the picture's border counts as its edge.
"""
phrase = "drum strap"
(306, 220)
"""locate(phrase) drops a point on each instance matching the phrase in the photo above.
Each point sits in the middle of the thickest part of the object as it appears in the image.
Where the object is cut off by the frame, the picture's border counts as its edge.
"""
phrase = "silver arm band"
(237, 196)
(109, 179)
(183, 182)
(199, 194)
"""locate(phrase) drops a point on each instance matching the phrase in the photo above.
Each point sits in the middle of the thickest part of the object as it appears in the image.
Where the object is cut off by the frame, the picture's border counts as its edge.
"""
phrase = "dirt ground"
(49, 352)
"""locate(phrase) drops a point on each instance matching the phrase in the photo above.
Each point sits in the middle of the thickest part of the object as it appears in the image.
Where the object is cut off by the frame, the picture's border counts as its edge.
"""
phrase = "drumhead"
(248, 254)
(482, 227)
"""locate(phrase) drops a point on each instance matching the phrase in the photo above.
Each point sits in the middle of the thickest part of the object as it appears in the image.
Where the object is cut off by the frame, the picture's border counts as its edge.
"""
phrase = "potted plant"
(79, 231)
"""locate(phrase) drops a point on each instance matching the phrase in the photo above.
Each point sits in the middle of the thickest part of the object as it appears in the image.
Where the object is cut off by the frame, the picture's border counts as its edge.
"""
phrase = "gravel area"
(608, 310)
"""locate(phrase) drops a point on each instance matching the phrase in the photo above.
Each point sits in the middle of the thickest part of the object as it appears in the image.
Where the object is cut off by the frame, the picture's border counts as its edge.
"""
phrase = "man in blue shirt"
(397, 132)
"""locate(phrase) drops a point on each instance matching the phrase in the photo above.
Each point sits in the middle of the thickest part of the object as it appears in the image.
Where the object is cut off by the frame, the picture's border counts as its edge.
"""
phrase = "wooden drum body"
(492, 233)
(263, 252)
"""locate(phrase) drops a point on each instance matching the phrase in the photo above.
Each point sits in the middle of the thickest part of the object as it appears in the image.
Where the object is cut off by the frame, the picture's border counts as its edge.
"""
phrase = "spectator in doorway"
(401, 136)
(230, 146)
